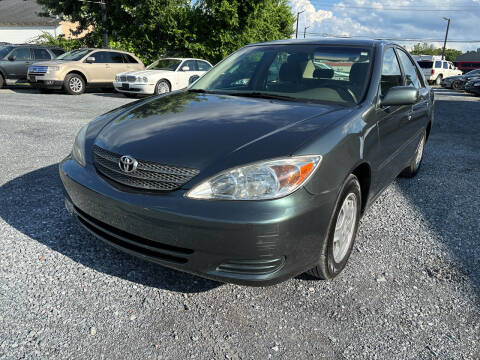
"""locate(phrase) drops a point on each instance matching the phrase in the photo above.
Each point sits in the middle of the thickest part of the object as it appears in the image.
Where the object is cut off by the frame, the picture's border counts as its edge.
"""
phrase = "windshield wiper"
(256, 94)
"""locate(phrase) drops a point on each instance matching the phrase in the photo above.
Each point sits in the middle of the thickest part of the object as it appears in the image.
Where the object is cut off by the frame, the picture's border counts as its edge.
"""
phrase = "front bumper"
(44, 82)
(134, 88)
(245, 242)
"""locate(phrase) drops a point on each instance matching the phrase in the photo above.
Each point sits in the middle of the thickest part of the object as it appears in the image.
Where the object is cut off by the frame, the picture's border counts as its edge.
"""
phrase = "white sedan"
(162, 76)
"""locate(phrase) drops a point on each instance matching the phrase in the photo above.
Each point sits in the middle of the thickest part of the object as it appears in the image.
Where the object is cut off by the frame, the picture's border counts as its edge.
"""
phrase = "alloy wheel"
(345, 227)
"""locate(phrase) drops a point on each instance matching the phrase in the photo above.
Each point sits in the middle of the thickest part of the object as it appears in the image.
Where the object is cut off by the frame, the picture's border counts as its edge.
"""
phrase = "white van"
(435, 69)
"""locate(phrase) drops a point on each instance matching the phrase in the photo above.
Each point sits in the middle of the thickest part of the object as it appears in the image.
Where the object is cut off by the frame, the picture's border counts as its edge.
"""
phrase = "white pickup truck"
(435, 69)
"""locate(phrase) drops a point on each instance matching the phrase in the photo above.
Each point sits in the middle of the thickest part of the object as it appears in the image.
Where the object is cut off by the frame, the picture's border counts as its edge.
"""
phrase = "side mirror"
(185, 68)
(400, 95)
(90, 59)
(12, 58)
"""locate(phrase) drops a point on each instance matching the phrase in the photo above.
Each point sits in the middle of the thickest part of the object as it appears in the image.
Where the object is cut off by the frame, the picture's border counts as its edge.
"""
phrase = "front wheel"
(416, 161)
(162, 87)
(438, 81)
(74, 84)
(342, 232)
(456, 85)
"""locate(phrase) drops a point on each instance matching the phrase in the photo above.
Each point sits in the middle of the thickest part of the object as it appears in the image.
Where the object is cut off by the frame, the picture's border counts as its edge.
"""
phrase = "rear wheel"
(416, 161)
(74, 84)
(438, 81)
(342, 232)
(2, 81)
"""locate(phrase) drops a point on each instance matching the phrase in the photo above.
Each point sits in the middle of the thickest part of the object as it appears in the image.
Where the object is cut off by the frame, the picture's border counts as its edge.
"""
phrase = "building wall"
(24, 34)
(68, 27)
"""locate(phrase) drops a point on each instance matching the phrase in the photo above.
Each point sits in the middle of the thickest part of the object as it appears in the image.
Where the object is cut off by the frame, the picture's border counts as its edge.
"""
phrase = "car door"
(97, 70)
(115, 65)
(411, 127)
(389, 118)
(18, 62)
(183, 76)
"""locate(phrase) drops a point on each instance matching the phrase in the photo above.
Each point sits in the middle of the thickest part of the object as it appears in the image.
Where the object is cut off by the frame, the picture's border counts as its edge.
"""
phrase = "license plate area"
(125, 86)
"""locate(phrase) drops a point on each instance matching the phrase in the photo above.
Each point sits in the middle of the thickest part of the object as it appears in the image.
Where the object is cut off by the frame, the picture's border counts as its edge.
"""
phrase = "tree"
(429, 49)
(202, 28)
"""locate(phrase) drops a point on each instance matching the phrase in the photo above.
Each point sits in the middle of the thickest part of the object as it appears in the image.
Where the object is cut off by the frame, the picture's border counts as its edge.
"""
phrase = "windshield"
(425, 64)
(165, 64)
(4, 50)
(74, 55)
(294, 72)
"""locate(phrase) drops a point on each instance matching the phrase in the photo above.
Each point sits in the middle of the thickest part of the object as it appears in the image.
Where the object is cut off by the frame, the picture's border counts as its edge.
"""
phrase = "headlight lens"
(78, 150)
(143, 79)
(117, 78)
(51, 69)
(264, 180)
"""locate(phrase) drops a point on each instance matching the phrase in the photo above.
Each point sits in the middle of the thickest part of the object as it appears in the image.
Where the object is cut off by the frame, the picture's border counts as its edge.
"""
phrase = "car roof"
(328, 41)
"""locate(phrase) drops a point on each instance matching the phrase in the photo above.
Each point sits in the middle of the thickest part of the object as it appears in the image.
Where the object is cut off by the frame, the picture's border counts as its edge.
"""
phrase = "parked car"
(78, 69)
(435, 69)
(470, 85)
(15, 60)
(251, 176)
(459, 81)
(162, 76)
(475, 87)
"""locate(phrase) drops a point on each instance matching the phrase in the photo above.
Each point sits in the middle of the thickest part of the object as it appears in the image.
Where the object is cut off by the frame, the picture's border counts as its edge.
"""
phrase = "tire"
(334, 253)
(74, 84)
(438, 81)
(162, 87)
(416, 161)
(2, 81)
(456, 85)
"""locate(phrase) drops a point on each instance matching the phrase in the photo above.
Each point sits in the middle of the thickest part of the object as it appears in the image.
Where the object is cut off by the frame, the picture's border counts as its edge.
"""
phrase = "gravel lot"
(410, 291)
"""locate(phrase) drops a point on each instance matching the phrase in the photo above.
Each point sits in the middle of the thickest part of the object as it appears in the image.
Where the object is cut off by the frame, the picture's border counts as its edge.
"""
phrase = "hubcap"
(418, 157)
(345, 227)
(75, 84)
(162, 88)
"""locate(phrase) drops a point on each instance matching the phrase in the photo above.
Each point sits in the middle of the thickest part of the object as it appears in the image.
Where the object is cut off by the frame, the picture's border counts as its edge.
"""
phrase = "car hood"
(53, 63)
(196, 130)
(149, 73)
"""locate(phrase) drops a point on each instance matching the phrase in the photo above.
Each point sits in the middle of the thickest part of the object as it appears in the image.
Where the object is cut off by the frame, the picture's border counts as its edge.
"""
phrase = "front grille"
(131, 242)
(148, 175)
(37, 70)
(129, 78)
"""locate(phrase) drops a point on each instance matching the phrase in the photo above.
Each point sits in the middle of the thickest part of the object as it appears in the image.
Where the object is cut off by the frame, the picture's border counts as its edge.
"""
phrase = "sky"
(407, 21)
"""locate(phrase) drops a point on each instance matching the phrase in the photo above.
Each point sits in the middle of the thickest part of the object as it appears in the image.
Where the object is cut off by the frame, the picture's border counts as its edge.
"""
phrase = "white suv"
(435, 69)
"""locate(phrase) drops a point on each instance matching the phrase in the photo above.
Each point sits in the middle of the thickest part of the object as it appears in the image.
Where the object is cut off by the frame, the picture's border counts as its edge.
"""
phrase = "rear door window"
(203, 66)
(129, 59)
(41, 54)
(116, 58)
(438, 64)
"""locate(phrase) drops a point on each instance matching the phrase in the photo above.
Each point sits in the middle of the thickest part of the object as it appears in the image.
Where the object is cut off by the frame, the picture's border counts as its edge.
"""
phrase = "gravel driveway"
(410, 291)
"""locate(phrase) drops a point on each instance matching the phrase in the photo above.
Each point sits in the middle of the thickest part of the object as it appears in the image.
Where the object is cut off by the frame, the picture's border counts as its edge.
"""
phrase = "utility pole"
(296, 32)
(305, 31)
(103, 6)
(446, 36)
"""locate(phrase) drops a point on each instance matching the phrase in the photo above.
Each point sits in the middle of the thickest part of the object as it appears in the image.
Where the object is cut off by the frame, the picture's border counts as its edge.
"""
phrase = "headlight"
(117, 78)
(78, 150)
(51, 69)
(263, 180)
(143, 79)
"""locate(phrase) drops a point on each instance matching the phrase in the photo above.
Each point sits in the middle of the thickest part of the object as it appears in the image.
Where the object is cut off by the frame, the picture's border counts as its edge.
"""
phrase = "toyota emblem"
(127, 164)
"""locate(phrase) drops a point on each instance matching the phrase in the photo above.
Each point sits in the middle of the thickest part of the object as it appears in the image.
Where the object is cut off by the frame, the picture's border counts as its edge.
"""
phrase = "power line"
(391, 39)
